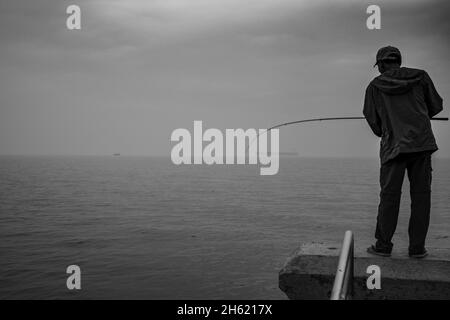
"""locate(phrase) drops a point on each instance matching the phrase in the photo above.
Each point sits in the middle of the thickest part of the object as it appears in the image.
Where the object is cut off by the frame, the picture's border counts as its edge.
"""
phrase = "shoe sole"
(380, 254)
(418, 256)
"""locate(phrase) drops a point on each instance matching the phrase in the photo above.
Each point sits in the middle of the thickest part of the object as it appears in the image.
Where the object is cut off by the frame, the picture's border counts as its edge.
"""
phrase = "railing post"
(343, 282)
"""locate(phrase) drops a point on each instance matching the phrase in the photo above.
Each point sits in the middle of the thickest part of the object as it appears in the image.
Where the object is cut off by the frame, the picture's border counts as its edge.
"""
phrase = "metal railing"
(343, 282)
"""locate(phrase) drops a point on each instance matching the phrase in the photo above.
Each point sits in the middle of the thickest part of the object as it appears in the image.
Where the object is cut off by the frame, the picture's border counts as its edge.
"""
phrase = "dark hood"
(398, 81)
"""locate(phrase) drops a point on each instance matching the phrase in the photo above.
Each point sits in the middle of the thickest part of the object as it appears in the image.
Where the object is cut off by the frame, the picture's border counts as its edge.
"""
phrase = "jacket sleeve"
(370, 112)
(432, 97)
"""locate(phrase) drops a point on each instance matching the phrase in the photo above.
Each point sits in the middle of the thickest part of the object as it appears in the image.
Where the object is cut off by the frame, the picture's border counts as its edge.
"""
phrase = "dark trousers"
(418, 166)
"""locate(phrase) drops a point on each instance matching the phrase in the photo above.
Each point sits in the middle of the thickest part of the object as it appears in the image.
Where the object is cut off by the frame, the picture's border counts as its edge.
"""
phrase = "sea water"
(144, 228)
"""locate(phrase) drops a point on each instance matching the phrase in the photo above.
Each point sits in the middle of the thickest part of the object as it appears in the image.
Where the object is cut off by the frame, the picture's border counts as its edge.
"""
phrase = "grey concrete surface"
(309, 273)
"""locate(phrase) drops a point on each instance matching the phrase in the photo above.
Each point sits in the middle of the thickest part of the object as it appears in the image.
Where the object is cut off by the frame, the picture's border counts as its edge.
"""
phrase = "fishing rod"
(333, 118)
(326, 119)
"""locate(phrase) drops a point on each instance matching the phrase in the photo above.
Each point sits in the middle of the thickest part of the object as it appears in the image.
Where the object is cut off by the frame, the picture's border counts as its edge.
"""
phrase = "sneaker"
(374, 250)
(418, 255)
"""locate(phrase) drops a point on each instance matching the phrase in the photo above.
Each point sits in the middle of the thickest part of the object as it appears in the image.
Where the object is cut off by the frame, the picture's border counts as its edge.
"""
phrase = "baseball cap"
(388, 53)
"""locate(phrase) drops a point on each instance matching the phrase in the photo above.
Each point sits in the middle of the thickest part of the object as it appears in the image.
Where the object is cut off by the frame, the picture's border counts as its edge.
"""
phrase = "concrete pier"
(309, 274)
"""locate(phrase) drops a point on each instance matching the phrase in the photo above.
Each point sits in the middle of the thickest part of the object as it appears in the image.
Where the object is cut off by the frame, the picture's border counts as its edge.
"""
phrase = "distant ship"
(292, 154)
(116, 154)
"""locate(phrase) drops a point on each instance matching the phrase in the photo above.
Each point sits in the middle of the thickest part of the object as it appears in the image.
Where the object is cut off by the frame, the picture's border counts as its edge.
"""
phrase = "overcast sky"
(139, 69)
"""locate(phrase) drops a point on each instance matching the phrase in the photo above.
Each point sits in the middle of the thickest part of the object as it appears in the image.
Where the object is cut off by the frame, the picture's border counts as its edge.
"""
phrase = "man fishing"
(398, 106)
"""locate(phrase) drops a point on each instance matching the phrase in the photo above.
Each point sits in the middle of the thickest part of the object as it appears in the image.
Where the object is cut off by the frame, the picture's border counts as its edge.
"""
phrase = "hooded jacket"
(398, 107)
